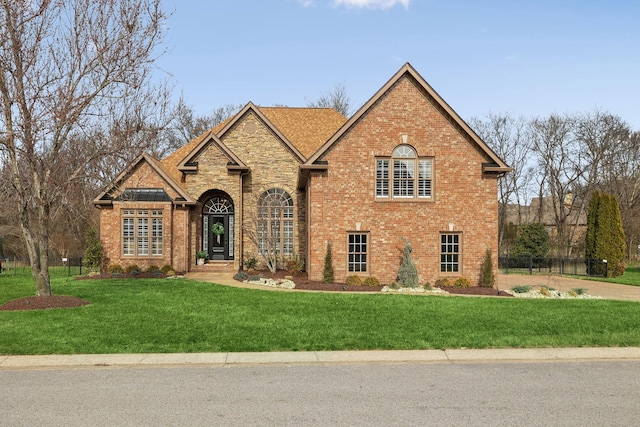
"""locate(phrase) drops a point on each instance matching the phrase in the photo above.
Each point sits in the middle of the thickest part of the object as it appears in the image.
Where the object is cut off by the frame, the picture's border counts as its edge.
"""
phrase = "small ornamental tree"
(407, 273)
(94, 253)
(488, 279)
(327, 272)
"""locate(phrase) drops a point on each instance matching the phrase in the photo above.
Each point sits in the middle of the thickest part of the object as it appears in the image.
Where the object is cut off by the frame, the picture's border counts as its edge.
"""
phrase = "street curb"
(323, 357)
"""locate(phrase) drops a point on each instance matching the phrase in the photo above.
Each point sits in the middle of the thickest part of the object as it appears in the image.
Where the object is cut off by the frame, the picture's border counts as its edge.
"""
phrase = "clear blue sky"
(521, 57)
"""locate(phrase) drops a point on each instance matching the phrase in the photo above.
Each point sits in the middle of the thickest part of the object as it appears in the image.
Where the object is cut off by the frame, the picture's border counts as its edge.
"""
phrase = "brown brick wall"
(345, 194)
(174, 222)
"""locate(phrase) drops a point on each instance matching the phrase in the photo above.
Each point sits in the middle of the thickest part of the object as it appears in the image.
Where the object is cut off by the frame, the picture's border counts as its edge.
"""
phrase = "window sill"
(404, 199)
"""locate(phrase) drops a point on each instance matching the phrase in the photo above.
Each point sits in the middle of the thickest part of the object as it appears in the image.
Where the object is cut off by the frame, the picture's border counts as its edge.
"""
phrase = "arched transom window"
(275, 222)
(218, 205)
(404, 175)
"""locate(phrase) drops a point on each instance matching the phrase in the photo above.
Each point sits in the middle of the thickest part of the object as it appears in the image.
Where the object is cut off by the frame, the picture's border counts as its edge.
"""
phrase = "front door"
(217, 227)
(218, 242)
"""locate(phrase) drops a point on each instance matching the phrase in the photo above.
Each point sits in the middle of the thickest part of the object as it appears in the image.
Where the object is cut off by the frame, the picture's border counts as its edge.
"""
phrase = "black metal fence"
(535, 265)
(57, 266)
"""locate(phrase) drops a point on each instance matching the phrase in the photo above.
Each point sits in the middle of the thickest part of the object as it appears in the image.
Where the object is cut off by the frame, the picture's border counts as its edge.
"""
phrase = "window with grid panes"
(449, 253)
(275, 222)
(404, 175)
(357, 252)
(142, 232)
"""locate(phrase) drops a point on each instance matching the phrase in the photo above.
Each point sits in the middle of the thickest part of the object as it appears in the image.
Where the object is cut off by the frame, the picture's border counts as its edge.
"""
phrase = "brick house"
(404, 167)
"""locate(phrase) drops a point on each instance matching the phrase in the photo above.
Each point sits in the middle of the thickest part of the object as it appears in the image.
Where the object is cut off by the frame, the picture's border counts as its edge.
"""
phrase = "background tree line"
(559, 161)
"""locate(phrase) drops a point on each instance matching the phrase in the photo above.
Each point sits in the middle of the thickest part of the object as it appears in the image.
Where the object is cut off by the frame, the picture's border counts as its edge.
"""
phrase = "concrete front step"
(215, 267)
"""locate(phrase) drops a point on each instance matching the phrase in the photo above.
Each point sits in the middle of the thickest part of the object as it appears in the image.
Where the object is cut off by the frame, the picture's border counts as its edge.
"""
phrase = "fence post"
(530, 264)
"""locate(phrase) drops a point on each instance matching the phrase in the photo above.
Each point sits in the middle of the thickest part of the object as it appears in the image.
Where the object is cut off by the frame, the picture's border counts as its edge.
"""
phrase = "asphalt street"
(568, 393)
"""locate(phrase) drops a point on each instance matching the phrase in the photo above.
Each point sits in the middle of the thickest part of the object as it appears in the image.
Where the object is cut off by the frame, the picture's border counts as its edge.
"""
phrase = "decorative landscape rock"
(274, 283)
(551, 293)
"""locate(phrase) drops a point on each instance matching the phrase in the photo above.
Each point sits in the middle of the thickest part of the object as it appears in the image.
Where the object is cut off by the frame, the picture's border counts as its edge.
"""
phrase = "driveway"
(603, 289)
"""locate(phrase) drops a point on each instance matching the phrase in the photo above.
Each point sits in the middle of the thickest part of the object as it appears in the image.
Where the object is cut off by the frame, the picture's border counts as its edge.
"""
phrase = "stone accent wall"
(272, 166)
(344, 195)
(212, 176)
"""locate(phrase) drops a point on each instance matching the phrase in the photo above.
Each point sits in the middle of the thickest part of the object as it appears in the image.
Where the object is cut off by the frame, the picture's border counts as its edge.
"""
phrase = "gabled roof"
(189, 164)
(495, 164)
(172, 160)
(301, 130)
(105, 197)
(251, 107)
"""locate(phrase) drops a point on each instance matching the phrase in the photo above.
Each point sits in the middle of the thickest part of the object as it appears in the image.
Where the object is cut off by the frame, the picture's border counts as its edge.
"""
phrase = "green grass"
(161, 315)
(631, 277)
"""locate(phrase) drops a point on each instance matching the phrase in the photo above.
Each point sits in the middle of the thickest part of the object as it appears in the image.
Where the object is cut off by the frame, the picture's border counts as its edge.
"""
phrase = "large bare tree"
(508, 137)
(70, 71)
(336, 98)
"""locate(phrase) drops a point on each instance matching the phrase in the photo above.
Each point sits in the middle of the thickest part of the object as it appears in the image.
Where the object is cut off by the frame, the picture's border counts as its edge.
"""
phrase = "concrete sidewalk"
(322, 358)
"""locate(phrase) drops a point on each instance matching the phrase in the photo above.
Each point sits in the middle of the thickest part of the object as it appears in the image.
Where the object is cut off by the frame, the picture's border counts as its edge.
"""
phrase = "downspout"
(241, 219)
(171, 259)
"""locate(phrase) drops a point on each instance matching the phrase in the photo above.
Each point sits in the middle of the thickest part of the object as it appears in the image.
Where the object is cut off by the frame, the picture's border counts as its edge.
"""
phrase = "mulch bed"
(302, 282)
(42, 303)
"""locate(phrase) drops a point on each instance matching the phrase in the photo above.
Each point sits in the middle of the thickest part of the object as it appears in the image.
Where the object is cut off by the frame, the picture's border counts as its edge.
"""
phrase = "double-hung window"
(404, 175)
(450, 253)
(142, 232)
(357, 252)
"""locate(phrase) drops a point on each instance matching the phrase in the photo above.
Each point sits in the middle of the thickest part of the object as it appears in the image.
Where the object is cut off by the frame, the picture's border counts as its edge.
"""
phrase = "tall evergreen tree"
(605, 239)
(590, 238)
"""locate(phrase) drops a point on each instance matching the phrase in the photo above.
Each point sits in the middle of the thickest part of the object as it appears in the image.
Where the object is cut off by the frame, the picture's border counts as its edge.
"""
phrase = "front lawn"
(631, 276)
(178, 315)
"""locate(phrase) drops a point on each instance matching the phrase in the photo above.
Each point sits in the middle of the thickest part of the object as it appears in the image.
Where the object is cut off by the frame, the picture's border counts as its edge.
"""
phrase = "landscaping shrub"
(115, 269)
(327, 272)
(93, 256)
(153, 270)
(521, 289)
(427, 286)
(462, 282)
(488, 279)
(250, 262)
(545, 291)
(407, 273)
(443, 282)
(132, 269)
(579, 291)
(165, 269)
(354, 280)
(371, 281)
(295, 264)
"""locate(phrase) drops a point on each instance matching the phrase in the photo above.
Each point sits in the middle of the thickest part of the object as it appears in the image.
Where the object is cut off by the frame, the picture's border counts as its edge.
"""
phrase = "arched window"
(405, 173)
(275, 222)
